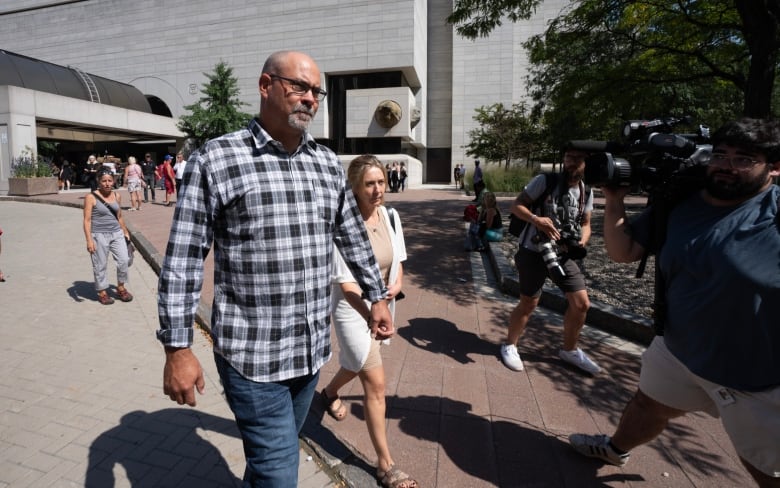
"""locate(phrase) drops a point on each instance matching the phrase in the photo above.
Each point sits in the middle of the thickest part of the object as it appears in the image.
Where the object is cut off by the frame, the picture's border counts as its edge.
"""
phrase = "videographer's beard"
(738, 188)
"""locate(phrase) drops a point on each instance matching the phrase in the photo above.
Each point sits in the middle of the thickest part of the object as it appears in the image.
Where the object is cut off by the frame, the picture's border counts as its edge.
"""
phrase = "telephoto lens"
(550, 258)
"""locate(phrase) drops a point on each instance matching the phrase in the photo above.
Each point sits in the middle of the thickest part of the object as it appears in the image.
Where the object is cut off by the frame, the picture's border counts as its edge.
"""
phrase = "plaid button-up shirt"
(273, 218)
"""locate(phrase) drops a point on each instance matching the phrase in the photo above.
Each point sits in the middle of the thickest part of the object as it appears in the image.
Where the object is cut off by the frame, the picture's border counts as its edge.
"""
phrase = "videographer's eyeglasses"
(298, 87)
(742, 163)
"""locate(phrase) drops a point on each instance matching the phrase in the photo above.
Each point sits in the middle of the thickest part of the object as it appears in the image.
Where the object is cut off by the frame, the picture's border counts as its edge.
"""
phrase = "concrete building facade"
(369, 51)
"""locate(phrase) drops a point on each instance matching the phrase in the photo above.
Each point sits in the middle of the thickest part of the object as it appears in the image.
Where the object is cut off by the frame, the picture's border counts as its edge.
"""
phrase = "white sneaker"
(579, 359)
(511, 357)
(597, 446)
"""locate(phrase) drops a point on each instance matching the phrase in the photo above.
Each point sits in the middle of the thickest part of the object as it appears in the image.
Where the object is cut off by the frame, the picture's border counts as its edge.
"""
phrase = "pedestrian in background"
(178, 169)
(149, 168)
(90, 172)
(134, 179)
(168, 178)
(106, 233)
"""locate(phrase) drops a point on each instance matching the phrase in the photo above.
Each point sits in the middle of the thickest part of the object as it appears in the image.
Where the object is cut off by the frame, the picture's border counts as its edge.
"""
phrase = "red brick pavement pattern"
(456, 416)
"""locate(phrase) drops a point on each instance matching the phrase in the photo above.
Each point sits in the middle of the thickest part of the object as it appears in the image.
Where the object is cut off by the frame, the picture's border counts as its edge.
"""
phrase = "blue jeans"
(269, 417)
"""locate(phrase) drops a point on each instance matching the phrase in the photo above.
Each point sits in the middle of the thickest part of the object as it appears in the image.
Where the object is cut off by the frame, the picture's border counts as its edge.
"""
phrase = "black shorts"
(533, 272)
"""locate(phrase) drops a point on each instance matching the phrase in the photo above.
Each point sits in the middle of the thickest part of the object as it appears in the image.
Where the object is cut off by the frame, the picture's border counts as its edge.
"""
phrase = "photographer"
(562, 221)
(720, 348)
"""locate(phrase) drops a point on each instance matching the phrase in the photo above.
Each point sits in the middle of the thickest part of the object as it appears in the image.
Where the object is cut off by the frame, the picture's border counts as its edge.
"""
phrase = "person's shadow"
(521, 456)
(82, 290)
(162, 448)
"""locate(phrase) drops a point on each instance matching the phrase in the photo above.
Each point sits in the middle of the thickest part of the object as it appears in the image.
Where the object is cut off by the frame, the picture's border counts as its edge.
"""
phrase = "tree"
(606, 60)
(504, 133)
(217, 111)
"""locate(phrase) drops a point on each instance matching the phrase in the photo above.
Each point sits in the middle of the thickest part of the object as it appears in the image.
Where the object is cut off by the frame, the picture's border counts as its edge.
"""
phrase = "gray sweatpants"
(113, 242)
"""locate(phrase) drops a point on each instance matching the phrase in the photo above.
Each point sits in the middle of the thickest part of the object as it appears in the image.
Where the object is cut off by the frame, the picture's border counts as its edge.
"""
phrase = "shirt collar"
(262, 138)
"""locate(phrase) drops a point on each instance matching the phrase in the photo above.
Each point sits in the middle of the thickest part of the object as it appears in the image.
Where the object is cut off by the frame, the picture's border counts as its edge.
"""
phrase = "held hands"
(380, 321)
(182, 375)
(393, 291)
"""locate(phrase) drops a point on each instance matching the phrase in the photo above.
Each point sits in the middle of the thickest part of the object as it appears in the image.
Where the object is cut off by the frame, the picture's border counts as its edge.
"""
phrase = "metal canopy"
(26, 72)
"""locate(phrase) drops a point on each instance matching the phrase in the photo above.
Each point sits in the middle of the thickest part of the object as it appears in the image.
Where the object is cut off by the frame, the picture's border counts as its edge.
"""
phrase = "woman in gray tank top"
(106, 233)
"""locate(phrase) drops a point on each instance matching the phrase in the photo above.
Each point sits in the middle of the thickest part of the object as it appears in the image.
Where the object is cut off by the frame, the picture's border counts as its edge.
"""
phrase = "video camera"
(669, 166)
(653, 155)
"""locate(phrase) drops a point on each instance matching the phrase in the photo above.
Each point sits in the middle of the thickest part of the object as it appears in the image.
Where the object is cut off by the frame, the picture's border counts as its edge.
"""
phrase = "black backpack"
(518, 225)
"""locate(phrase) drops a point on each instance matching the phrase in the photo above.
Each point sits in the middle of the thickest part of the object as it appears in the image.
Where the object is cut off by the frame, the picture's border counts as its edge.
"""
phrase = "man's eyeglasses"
(735, 162)
(300, 88)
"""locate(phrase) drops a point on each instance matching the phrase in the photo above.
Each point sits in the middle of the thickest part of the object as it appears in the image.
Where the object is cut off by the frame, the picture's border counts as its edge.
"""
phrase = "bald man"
(272, 202)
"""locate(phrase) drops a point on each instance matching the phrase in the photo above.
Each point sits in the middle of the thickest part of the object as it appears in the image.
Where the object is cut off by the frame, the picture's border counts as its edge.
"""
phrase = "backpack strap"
(391, 214)
(110, 209)
(550, 182)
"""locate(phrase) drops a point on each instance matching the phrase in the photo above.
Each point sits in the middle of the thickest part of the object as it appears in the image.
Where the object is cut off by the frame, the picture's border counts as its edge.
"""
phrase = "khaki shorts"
(751, 419)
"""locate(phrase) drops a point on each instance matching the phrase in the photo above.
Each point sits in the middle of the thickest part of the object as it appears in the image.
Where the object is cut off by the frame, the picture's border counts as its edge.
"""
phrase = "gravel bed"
(608, 282)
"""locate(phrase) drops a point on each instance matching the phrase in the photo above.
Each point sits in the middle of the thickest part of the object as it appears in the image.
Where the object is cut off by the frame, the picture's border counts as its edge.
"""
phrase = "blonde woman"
(359, 354)
(491, 228)
(134, 179)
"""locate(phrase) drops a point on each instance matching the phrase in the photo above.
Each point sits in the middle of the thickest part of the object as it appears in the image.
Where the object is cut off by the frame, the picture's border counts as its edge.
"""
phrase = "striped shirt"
(273, 219)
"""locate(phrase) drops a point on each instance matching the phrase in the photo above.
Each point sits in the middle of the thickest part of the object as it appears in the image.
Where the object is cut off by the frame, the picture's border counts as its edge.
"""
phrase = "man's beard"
(573, 176)
(298, 120)
(737, 189)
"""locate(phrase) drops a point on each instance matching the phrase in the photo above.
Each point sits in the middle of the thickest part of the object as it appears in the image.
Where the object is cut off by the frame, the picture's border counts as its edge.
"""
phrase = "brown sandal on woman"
(104, 299)
(124, 295)
(395, 478)
(337, 412)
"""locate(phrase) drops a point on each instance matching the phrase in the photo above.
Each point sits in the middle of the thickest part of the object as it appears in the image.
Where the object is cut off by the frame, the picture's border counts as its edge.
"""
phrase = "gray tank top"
(103, 221)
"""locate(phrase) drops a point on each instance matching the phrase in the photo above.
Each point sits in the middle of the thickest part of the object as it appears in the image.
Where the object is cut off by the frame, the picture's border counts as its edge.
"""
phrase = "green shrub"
(500, 180)
(28, 165)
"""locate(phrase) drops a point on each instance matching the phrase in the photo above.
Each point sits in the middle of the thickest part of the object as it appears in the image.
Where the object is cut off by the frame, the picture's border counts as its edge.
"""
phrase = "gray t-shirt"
(721, 266)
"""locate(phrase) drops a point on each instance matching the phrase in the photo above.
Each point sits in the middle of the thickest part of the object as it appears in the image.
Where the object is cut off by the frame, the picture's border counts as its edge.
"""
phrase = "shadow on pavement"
(142, 445)
(437, 335)
(82, 290)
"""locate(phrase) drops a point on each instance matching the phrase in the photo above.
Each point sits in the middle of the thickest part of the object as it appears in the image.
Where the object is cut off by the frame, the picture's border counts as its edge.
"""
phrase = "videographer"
(720, 265)
(564, 206)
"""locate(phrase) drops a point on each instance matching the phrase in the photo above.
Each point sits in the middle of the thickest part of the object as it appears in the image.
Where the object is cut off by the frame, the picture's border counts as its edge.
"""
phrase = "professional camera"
(570, 242)
(653, 155)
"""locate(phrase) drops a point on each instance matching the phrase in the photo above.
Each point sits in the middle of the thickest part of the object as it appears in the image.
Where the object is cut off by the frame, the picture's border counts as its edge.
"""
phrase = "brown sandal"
(339, 413)
(104, 299)
(124, 295)
(395, 478)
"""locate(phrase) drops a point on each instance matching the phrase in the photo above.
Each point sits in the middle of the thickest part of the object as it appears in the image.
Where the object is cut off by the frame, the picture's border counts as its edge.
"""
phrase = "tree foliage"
(603, 61)
(503, 133)
(217, 112)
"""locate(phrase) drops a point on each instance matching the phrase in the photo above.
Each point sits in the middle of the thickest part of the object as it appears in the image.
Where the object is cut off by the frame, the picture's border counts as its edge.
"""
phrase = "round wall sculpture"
(387, 114)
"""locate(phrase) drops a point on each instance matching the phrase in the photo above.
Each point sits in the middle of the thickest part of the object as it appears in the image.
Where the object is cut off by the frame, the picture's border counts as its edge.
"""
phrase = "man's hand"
(381, 322)
(181, 375)
(546, 226)
(612, 194)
